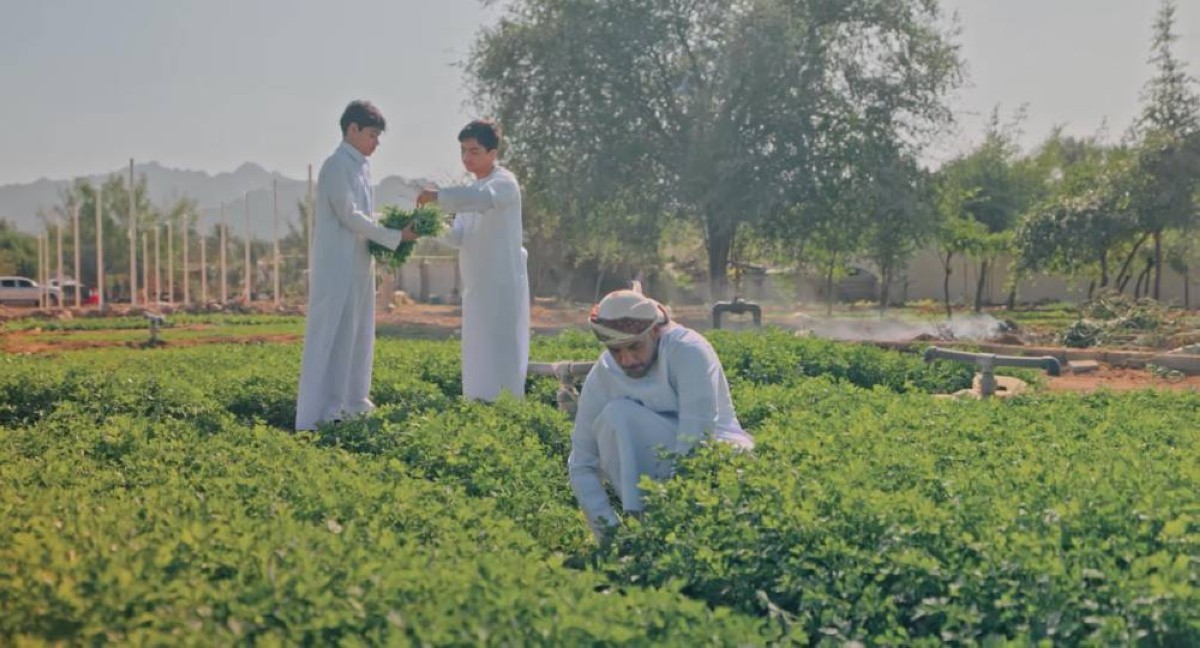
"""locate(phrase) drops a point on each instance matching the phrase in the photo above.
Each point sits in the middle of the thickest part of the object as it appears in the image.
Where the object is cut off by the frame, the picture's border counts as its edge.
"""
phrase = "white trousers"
(631, 440)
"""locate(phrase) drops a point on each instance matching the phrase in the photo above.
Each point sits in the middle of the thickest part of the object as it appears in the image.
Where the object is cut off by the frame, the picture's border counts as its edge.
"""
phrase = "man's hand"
(407, 234)
(426, 196)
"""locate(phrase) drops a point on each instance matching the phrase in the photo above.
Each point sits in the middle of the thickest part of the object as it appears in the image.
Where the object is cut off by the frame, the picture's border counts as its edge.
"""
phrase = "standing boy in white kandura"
(495, 299)
(339, 329)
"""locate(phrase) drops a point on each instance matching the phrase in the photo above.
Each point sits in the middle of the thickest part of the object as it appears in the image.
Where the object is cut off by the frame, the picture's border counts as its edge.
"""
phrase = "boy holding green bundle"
(339, 330)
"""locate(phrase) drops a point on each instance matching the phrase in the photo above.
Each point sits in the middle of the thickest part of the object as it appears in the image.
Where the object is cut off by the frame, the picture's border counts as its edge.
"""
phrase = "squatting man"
(656, 392)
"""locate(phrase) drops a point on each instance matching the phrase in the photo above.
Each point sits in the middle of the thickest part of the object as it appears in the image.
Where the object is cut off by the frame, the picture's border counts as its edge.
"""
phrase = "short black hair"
(484, 131)
(363, 113)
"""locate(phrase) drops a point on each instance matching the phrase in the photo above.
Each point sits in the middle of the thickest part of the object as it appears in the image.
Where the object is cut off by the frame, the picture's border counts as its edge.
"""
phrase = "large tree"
(721, 112)
(1081, 223)
(1079, 230)
(1169, 150)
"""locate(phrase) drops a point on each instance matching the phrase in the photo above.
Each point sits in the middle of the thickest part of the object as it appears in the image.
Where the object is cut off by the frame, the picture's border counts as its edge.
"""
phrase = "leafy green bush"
(779, 357)
(868, 516)
(252, 535)
(161, 498)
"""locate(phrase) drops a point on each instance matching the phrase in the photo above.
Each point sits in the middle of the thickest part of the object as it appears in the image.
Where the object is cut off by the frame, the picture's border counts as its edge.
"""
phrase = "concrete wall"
(922, 280)
(441, 276)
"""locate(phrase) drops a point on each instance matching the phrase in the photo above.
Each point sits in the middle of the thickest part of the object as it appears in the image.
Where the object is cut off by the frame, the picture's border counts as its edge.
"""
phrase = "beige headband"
(625, 315)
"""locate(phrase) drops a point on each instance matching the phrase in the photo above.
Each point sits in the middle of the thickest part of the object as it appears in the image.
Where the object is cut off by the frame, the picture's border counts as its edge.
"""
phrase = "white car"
(22, 290)
(68, 289)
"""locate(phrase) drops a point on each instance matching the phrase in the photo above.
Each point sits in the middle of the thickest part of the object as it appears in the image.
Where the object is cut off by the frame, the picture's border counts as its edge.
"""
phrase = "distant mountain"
(248, 184)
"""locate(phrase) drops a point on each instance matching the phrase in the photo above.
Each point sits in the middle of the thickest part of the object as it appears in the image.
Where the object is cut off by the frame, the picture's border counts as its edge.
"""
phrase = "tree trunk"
(1124, 275)
(829, 289)
(798, 288)
(1157, 265)
(1011, 304)
(1103, 271)
(1187, 289)
(1143, 277)
(946, 283)
(979, 285)
(1091, 289)
(884, 289)
(719, 243)
(599, 282)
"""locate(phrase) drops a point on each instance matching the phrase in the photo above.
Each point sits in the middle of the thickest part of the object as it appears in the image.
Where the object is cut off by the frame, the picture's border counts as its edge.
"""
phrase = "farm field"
(158, 497)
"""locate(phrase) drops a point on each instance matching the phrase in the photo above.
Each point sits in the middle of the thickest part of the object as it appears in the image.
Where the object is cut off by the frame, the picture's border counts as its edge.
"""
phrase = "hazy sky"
(210, 84)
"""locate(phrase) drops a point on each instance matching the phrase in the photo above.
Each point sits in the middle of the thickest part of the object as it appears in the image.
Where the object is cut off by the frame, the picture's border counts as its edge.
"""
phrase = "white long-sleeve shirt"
(686, 383)
(339, 330)
(495, 308)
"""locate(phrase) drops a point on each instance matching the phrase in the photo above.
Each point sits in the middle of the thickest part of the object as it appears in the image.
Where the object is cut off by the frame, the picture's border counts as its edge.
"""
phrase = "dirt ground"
(443, 321)
(1120, 379)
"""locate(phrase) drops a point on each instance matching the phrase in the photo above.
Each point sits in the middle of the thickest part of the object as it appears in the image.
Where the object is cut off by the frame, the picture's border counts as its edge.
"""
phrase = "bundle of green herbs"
(425, 221)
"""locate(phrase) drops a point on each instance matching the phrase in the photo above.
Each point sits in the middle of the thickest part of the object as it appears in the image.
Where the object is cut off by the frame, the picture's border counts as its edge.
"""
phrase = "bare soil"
(1120, 379)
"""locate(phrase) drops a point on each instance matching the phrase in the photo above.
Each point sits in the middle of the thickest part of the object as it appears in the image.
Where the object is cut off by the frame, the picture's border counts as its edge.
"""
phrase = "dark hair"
(484, 131)
(363, 113)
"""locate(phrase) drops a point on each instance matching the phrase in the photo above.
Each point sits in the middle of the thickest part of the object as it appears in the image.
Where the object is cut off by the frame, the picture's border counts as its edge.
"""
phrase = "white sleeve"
(337, 181)
(583, 466)
(454, 236)
(697, 373)
(500, 193)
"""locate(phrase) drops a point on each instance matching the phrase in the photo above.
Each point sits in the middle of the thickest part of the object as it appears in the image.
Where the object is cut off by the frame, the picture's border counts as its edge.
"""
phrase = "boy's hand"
(426, 196)
(407, 234)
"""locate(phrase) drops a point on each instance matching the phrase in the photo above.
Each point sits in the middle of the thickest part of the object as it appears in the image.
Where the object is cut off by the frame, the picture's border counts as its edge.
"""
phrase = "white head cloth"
(623, 316)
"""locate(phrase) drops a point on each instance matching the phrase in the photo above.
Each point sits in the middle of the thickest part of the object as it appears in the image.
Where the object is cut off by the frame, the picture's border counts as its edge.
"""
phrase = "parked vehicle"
(69, 286)
(23, 290)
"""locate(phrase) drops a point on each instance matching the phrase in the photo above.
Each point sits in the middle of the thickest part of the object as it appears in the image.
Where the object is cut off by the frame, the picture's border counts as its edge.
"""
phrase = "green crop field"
(158, 497)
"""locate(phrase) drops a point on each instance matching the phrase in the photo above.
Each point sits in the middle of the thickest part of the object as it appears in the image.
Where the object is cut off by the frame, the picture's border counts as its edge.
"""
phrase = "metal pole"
(49, 263)
(75, 244)
(58, 235)
(146, 268)
(246, 280)
(40, 280)
(132, 241)
(311, 223)
(186, 277)
(203, 269)
(100, 246)
(170, 264)
(157, 264)
(275, 219)
(224, 276)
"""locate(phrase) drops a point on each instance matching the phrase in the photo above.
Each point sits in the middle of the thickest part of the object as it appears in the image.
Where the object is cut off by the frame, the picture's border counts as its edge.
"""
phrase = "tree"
(997, 190)
(901, 206)
(957, 233)
(1073, 234)
(1168, 154)
(1084, 217)
(113, 199)
(18, 252)
(725, 113)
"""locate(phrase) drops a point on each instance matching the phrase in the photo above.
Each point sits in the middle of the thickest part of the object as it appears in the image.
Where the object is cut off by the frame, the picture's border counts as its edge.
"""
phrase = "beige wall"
(924, 281)
(442, 275)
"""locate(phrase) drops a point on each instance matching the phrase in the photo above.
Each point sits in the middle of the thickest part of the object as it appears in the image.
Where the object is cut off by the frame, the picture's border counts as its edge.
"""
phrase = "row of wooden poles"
(44, 270)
